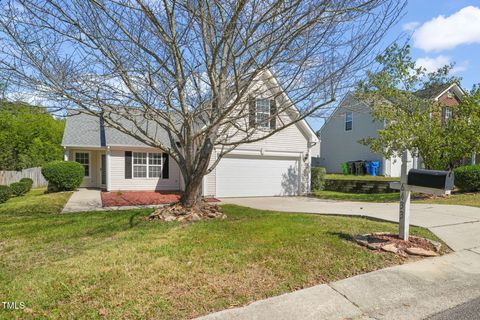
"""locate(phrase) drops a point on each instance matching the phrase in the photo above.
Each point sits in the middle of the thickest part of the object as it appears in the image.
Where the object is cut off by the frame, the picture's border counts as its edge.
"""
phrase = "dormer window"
(262, 113)
(348, 121)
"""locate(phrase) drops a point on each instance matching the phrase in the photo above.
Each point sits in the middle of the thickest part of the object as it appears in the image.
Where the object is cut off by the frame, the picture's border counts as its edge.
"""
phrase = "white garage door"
(242, 176)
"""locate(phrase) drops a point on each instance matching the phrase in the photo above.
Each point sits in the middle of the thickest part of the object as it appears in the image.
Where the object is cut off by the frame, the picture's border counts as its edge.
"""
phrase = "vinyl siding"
(117, 173)
(338, 146)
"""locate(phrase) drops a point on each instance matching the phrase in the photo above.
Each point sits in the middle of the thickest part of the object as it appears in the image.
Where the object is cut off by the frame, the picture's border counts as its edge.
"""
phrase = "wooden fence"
(8, 177)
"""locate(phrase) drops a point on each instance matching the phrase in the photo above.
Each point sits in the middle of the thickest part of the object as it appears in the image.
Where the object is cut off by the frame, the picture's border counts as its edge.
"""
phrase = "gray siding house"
(352, 121)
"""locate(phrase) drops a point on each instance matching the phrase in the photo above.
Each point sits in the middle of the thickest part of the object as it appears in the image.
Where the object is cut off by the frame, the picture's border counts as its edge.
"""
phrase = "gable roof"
(85, 130)
(436, 91)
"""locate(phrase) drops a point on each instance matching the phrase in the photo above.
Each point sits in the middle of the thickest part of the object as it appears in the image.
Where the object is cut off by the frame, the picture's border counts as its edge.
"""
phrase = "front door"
(103, 169)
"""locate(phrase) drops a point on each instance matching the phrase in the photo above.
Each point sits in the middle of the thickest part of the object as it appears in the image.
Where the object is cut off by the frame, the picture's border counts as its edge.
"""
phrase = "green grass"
(368, 197)
(465, 199)
(364, 178)
(118, 265)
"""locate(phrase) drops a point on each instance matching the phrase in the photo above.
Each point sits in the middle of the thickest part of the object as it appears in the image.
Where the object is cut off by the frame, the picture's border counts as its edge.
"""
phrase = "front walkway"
(411, 291)
(84, 200)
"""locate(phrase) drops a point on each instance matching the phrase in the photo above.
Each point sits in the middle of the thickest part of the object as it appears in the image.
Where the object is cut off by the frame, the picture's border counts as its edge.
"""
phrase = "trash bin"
(368, 168)
(374, 167)
(345, 168)
(351, 167)
(359, 168)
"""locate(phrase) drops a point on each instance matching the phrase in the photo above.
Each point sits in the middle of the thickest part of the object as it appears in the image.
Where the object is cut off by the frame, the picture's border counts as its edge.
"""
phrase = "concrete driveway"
(458, 226)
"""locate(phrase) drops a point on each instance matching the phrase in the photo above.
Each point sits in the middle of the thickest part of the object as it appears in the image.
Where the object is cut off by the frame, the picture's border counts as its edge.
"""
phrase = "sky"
(439, 32)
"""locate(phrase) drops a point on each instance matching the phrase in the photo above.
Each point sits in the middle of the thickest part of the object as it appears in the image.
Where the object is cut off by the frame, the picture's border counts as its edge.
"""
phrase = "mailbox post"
(422, 181)
(404, 218)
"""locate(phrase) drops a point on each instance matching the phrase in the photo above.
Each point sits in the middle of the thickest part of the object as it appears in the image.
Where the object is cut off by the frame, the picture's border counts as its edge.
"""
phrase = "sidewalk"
(411, 291)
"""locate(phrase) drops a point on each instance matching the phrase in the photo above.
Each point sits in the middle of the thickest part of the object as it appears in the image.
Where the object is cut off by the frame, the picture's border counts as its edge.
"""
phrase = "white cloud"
(410, 26)
(433, 64)
(440, 33)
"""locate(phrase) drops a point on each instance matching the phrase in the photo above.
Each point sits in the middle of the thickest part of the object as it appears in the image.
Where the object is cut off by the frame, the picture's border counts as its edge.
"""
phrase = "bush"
(63, 175)
(19, 188)
(27, 181)
(5, 193)
(467, 178)
(318, 178)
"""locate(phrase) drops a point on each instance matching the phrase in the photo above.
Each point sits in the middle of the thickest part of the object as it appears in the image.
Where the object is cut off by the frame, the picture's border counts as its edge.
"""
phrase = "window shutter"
(128, 164)
(273, 114)
(166, 166)
(251, 111)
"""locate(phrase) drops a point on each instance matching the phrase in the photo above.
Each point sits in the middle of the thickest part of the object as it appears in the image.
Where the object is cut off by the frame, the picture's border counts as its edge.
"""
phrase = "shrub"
(318, 178)
(19, 188)
(27, 181)
(467, 178)
(63, 175)
(5, 193)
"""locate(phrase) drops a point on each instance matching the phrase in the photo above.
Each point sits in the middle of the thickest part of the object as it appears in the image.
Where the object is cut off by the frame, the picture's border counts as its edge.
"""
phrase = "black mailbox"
(431, 179)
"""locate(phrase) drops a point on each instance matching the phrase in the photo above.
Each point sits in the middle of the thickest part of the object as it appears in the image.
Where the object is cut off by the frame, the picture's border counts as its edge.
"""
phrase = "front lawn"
(117, 265)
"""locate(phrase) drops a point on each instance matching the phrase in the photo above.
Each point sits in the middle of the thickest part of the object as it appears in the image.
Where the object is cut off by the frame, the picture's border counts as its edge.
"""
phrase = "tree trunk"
(192, 194)
(193, 180)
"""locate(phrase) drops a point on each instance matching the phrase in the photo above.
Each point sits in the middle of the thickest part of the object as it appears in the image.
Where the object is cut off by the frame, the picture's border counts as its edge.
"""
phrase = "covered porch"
(95, 162)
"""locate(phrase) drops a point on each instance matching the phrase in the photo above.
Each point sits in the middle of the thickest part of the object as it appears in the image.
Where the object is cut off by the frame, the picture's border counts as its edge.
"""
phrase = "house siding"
(117, 173)
(339, 146)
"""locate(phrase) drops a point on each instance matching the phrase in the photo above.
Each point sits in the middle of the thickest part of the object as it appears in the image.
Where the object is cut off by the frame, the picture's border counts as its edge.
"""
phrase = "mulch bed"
(139, 198)
(142, 198)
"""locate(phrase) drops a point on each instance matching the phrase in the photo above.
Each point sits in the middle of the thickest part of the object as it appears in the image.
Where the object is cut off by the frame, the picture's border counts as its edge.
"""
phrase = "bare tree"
(190, 66)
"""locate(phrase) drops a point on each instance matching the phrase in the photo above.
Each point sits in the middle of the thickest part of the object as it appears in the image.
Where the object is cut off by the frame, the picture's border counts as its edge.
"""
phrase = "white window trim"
(147, 165)
(345, 122)
(89, 162)
(444, 113)
(262, 112)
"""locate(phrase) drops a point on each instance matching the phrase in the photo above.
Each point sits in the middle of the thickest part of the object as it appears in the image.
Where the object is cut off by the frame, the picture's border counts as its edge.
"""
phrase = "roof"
(435, 91)
(84, 130)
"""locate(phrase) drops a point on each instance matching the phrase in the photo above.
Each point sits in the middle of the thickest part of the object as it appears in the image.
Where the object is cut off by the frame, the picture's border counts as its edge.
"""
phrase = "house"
(352, 121)
(113, 160)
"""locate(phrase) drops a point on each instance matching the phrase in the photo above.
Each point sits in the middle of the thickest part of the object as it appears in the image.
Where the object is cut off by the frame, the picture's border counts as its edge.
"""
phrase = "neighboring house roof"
(436, 91)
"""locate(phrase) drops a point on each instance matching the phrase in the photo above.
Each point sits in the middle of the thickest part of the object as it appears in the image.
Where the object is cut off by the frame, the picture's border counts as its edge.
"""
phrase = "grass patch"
(363, 178)
(368, 197)
(117, 265)
(464, 199)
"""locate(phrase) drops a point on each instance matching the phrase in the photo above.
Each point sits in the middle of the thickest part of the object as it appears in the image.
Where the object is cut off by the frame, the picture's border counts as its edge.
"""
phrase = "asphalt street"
(467, 311)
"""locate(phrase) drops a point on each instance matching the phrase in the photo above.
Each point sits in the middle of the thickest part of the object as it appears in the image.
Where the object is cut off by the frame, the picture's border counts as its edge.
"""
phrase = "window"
(139, 164)
(84, 159)
(262, 113)
(348, 121)
(147, 165)
(447, 113)
(155, 165)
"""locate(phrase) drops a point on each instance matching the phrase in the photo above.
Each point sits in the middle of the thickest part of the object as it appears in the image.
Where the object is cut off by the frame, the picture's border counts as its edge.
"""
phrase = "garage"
(245, 176)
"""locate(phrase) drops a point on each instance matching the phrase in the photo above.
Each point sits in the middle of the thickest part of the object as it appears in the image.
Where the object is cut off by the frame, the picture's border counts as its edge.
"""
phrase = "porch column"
(65, 154)
(107, 164)
(300, 168)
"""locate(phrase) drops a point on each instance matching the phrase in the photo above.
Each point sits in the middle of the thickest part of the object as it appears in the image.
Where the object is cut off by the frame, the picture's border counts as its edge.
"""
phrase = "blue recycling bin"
(374, 167)
(368, 167)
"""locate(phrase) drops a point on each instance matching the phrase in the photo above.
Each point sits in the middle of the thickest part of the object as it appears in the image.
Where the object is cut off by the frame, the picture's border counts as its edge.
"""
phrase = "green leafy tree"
(29, 136)
(414, 121)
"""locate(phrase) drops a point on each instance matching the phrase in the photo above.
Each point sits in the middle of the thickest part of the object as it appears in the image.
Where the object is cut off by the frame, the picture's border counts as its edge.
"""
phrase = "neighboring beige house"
(352, 121)
(276, 166)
